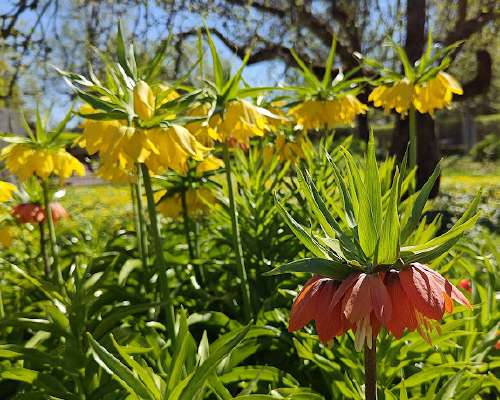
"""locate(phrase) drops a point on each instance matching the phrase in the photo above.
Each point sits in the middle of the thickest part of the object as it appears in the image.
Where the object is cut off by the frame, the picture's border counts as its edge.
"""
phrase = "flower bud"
(144, 100)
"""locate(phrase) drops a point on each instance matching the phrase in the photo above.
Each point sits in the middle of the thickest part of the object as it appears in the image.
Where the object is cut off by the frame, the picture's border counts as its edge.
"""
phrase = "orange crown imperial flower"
(409, 299)
(369, 271)
(34, 213)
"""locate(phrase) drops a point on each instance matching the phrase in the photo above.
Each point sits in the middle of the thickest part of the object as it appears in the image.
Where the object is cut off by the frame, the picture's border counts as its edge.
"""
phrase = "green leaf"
(179, 356)
(329, 63)
(216, 63)
(419, 204)
(308, 75)
(388, 246)
(348, 245)
(305, 238)
(19, 374)
(403, 57)
(117, 370)
(372, 180)
(318, 266)
(121, 52)
(194, 383)
(145, 375)
(324, 218)
(367, 233)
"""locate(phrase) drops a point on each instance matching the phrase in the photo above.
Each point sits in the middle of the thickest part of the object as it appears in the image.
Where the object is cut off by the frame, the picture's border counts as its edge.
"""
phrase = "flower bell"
(144, 100)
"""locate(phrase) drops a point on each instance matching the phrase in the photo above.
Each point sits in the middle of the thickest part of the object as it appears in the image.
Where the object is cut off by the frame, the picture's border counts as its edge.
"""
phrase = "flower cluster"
(26, 161)
(427, 97)
(327, 114)
(34, 213)
(412, 299)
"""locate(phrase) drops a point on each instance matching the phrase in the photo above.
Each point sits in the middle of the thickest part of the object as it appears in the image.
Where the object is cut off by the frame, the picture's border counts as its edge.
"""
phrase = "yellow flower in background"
(319, 114)
(399, 96)
(173, 147)
(25, 161)
(6, 190)
(6, 236)
(144, 100)
(286, 150)
(211, 163)
(276, 108)
(205, 132)
(197, 202)
(242, 120)
(435, 94)
(112, 173)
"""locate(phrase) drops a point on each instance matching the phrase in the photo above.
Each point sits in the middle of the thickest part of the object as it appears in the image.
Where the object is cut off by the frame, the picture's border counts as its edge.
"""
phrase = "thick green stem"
(240, 262)
(160, 264)
(43, 250)
(412, 135)
(187, 231)
(140, 224)
(371, 371)
(52, 233)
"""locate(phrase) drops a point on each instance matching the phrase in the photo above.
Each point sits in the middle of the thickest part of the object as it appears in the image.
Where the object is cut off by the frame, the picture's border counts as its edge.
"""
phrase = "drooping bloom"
(173, 147)
(436, 93)
(412, 299)
(204, 131)
(34, 213)
(197, 203)
(144, 100)
(398, 96)
(426, 97)
(466, 285)
(285, 149)
(110, 172)
(5, 236)
(241, 120)
(321, 114)
(122, 147)
(211, 163)
(6, 190)
(26, 161)
(97, 136)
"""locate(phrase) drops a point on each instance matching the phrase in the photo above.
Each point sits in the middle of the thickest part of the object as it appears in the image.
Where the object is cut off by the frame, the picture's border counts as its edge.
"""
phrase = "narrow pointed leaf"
(316, 266)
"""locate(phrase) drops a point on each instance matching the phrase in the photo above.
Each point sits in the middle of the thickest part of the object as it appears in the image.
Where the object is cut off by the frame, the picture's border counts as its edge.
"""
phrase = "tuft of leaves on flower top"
(376, 230)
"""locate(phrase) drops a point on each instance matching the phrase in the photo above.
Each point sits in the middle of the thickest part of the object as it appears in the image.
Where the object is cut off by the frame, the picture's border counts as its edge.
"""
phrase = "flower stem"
(412, 135)
(187, 231)
(52, 233)
(160, 264)
(371, 371)
(140, 224)
(240, 263)
(43, 250)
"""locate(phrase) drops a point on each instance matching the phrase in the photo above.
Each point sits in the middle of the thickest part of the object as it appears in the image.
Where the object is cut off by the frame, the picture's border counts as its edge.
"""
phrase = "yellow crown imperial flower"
(242, 120)
(320, 114)
(426, 97)
(286, 150)
(6, 190)
(210, 163)
(174, 146)
(144, 100)
(197, 203)
(25, 161)
(6, 237)
(112, 173)
(204, 131)
(98, 136)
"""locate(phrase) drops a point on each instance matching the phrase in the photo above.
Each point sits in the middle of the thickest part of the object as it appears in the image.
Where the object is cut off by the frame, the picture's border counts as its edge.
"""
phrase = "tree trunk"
(428, 153)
